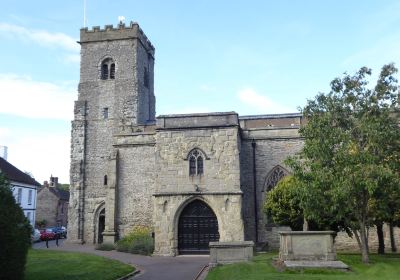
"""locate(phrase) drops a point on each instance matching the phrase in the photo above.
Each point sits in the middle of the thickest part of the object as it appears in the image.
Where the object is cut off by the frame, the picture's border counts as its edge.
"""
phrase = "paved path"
(152, 268)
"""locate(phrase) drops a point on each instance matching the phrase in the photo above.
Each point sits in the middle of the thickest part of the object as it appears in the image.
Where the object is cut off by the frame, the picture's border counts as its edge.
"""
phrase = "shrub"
(15, 235)
(138, 241)
(105, 247)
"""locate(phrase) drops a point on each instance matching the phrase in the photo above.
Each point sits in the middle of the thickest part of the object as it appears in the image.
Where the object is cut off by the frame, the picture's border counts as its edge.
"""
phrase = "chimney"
(53, 181)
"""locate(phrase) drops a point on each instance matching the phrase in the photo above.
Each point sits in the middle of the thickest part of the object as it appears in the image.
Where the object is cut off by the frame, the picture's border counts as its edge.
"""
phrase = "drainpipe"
(253, 145)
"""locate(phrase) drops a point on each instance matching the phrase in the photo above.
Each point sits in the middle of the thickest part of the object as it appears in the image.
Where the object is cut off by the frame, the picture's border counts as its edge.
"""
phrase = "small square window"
(105, 113)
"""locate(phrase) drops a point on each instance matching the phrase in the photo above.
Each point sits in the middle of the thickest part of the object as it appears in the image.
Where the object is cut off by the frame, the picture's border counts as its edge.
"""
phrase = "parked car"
(61, 231)
(35, 236)
(47, 234)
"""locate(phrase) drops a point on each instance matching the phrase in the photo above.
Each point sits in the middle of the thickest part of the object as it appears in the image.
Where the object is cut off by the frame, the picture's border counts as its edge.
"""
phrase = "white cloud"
(260, 104)
(41, 37)
(24, 97)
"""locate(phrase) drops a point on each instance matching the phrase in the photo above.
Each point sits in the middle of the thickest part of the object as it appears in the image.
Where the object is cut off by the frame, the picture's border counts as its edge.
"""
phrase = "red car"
(47, 234)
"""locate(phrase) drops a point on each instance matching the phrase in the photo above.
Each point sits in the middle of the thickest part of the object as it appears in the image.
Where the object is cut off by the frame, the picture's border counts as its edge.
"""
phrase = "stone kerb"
(307, 246)
(230, 252)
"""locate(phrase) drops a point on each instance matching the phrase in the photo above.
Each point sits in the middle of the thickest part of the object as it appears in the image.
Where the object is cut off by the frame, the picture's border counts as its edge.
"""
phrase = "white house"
(24, 188)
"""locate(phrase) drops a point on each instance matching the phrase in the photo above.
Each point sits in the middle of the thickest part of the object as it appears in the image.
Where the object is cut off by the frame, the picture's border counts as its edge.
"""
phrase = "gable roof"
(14, 174)
(61, 194)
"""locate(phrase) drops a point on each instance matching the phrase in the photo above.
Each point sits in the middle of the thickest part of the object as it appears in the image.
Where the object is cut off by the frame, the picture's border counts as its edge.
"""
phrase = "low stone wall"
(345, 243)
(230, 252)
(307, 245)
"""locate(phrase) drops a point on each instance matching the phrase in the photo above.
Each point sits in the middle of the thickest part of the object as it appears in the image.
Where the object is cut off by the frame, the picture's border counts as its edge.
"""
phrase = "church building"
(190, 178)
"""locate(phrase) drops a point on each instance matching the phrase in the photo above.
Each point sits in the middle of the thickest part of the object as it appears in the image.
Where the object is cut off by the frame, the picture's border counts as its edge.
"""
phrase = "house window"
(105, 113)
(19, 196)
(28, 216)
(105, 180)
(107, 70)
(30, 197)
(196, 162)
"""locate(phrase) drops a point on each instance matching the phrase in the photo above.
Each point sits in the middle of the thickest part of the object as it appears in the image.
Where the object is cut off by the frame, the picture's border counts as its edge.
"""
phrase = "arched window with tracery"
(107, 70)
(274, 176)
(196, 160)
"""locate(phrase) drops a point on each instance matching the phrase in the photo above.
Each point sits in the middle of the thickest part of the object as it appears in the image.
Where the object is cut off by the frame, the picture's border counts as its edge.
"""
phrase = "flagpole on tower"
(84, 13)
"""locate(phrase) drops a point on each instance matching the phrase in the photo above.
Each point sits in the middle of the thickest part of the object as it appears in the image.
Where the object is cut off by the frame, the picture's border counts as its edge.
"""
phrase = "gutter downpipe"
(253, 145)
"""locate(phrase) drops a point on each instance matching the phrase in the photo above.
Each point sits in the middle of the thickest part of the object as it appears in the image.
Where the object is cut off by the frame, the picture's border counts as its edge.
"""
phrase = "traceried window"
(276, 174)
(196, 159)
(107, 69)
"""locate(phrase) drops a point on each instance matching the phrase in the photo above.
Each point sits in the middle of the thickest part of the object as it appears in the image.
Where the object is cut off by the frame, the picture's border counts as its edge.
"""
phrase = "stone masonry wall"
(345, 243)
(219, 186)
(46, 208)
(135, 182)
(272, 146)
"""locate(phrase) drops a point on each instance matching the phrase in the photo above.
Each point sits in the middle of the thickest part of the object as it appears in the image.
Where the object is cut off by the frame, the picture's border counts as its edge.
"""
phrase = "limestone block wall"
(167, 209)
(221, 166)
(135, 182)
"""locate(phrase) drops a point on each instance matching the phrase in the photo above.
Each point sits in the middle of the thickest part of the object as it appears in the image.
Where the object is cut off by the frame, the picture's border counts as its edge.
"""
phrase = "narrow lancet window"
(105, 180)
(112, 71)
(104, 72)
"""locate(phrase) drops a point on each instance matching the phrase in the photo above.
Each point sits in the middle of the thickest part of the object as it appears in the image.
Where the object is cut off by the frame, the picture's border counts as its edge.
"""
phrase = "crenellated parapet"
(120, 32)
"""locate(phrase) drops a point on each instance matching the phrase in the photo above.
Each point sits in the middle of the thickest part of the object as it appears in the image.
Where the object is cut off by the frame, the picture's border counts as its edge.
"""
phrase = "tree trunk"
(358, 239)
(364, 245)
(305, 225)
(381, 240)
(367, 239)
(392, 240)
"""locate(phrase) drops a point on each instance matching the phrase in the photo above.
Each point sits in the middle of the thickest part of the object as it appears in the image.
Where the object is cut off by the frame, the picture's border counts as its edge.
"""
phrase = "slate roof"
(61, 194)
(14, 174)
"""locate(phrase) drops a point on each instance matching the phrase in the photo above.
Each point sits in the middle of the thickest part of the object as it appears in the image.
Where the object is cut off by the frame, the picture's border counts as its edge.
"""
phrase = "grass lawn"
(55, 265)
(380, 267)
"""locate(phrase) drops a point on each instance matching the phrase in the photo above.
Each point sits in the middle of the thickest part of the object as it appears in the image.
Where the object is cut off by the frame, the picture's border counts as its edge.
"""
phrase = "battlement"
(120, 32)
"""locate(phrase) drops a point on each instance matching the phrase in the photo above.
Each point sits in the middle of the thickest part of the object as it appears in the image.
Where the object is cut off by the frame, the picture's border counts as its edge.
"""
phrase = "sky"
(252, 57)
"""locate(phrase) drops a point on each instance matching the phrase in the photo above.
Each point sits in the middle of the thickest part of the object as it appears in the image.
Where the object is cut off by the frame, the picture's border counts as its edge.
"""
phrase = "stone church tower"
(116, 95)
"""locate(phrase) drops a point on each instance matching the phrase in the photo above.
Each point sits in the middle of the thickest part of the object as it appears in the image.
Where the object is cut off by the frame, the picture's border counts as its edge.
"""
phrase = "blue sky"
(252, 57)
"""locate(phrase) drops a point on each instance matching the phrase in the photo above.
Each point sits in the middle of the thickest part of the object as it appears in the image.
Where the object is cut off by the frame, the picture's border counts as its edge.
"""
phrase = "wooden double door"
(197, 226)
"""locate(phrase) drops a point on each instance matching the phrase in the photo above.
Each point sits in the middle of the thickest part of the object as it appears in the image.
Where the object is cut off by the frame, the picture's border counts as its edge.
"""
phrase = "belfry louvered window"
(107, 69)
(112, 71)
(196, 166)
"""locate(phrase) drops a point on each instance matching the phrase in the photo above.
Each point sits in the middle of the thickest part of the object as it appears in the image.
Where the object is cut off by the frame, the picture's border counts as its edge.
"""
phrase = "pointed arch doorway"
(197, 226)
(101, 226)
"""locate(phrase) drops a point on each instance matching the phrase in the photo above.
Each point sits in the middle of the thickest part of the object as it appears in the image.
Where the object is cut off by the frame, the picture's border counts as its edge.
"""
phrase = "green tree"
(15, 234)
(282, 204)
(351, 140)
